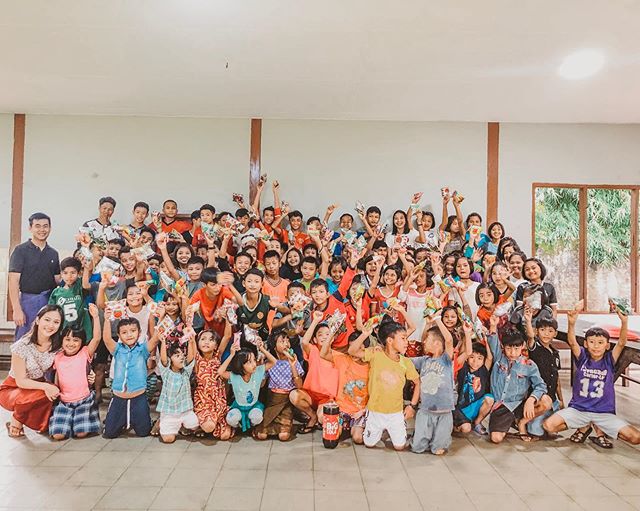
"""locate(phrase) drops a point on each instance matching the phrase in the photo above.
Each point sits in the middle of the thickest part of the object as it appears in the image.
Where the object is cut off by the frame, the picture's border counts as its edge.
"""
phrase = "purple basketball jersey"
(593, 389)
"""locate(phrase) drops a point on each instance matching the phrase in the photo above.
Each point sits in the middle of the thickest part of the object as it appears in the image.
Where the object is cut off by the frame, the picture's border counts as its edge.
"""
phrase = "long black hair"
(56, 339)
(407, 227)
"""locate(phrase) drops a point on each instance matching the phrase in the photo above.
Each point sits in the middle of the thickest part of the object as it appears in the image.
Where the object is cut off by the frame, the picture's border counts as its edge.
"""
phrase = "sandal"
(579, 437)
(155, 428)
(526, 437)
(601, 441)
(200, 433)
(307, 429)
(14, 431)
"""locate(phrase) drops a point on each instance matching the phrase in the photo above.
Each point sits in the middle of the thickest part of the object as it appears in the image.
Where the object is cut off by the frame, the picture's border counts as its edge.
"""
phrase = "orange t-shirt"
(322, 376)
(179, 225)
(279, 291)
(342, 338)
(300, 239)
(353, 391)
(209, 306)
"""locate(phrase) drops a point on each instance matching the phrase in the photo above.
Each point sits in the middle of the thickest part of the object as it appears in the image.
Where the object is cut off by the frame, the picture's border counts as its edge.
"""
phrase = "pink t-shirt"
(72, 375)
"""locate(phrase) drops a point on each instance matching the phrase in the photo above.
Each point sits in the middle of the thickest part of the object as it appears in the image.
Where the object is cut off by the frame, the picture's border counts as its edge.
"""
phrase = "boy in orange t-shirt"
(212, 296)
(353, 390)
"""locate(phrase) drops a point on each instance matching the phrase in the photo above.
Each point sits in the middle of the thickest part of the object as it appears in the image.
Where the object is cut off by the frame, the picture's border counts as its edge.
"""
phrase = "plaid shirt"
(176, 389)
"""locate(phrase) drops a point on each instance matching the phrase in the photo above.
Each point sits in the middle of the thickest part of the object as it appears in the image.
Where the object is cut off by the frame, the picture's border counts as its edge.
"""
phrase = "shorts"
(317, 398)
(69, 419)
(502, 419)
(534, 427)
(170, 423)
(470, 412)
(610, 423)
(432, 432)
(349, 422)
(377, 423)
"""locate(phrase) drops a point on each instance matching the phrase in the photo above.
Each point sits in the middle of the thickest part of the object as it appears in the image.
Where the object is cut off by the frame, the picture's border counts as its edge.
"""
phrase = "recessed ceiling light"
(581, 64)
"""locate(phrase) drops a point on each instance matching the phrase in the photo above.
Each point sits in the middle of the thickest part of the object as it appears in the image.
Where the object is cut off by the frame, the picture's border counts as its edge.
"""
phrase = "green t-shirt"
(71, 300)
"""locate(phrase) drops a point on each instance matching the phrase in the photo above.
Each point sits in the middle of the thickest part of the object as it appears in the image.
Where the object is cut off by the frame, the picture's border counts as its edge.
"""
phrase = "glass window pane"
(557, 243)
(608, 246)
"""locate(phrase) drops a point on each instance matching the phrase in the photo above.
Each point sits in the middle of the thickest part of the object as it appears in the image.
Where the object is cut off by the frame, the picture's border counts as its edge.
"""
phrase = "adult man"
(101, 226)
(34, 271)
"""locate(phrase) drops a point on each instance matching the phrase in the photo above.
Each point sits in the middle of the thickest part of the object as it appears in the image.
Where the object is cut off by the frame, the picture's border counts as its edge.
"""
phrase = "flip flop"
(579, 437)
(525, 437)
(307, 429)
(10, 428)
(601, 441)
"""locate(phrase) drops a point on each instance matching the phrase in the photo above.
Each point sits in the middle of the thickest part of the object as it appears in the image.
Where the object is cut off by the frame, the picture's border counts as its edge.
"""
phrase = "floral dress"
(209, 397)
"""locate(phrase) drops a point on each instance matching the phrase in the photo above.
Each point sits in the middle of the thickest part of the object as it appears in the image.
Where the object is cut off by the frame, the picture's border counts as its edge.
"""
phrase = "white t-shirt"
(415, 308)
(470, 296)
(411, 236)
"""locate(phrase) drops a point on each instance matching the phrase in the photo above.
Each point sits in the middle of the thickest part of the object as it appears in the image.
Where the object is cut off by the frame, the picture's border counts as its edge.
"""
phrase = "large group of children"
(249, 323)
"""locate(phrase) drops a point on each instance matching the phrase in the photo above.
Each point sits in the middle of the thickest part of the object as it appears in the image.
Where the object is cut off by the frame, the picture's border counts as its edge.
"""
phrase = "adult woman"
(24, 392)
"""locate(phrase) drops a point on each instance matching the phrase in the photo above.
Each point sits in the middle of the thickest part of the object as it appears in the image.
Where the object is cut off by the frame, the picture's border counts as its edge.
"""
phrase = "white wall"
(6, 165)
(72, 161)
(560, 153)
(378, 163)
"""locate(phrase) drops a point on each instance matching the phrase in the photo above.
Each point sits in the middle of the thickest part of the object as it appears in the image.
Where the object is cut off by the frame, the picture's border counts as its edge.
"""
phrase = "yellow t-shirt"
(386, 381)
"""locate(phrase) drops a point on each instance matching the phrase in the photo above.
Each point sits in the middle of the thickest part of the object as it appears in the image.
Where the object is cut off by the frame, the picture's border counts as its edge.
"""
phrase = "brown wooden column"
(254, 158)
(635, 249)
(17, 187)
(493, 146)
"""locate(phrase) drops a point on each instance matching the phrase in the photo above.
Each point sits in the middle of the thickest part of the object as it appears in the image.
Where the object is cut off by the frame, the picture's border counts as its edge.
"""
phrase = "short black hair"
(379, 244)
(597, 332)
(543, 268)
(141, 205)
(269, 254)
(241, 358)
(107, 199)
(149, 231)
(471, 215)
(70, 262)
(254, 271)
(172, 349)
(512, 338)
(309, 246)
(245, 254)
(195, 214)
(313, 219)
(127, 322)
(435, 332)
(310, 260)
(209, 275)
(374, 209)
(269, 208)
(195, 260)
(39, 216)
(493, 289)
(295, 214)
(167, 201)
(389, 329)
(547, 322)
(117, 241)
(76, 330)
(242, 212)
(318, 283)
(296, 285)
(346, 215)
(479, 348)
(207, 207)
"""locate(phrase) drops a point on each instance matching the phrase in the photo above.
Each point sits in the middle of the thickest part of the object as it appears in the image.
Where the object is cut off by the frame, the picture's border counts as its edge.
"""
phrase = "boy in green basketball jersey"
(70, 297)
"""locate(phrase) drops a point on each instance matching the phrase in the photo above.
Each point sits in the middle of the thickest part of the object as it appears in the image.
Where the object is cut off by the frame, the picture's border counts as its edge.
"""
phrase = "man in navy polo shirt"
(34, 271)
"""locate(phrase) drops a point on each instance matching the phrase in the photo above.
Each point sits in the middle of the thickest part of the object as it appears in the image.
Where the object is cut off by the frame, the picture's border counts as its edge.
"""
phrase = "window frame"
(582, 247)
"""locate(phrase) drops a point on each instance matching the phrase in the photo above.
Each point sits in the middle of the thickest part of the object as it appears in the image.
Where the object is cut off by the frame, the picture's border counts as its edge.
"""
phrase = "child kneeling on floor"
(246, 378)
(593, 404)
(175, 404)
(76, 414)
(129, 406)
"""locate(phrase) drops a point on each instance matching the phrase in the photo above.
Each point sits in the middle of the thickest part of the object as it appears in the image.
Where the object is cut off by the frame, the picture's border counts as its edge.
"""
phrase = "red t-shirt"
(342, 338)
(209, 306)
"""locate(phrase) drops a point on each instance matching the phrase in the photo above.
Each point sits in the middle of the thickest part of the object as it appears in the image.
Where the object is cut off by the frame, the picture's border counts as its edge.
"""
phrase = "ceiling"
(422, 60)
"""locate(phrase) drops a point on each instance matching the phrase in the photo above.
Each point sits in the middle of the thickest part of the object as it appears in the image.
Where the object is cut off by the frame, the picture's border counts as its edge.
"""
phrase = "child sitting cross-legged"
(246, 377)
(593, 403)
(473, 380)
(76, 414)
(517, 386)
(175, 404)
(389, 371)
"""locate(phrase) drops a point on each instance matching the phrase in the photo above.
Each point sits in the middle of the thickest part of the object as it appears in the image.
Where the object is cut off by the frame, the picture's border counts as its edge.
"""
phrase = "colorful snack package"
(190, 312)
(335, 322)
(503, 309)
(86, 253)
(208, 229)
(174, 235)
(236, 340)
(238, 198)
(360, 209)
(458, 197)
(445, 192)
(400, 241)
(475, 231)
(145, 251)
(415, 200)
(167, 282)
(534, 300)
(165, 327)
(115, 310)
(251, 335)
(108, 265)
(358, 292)
(153, 307)
(228, 310)
(314, 233)
(180, 287)
(373, 322)
(620, 304)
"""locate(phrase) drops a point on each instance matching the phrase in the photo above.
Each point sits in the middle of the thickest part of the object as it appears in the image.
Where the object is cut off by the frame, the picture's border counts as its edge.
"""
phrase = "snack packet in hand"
(116, 310)
(360, 209)
(620, 304)
(165, 327)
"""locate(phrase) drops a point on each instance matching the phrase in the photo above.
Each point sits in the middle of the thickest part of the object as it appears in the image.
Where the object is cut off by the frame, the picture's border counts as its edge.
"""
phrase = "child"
(246, 378)
(209, 396)
(474, 399)
(129, 405)
(309, 271)
(284, 376)
(321, 384)
(175, 405)
(76, 414)
(291, 268)
(547, 358)
(71, 296)
(593, 401)
(254, 306)
(388, 373)
(434, 421)
(212, 297)
(535, 272)
(328, 305)
(353, 392)
(511, 379)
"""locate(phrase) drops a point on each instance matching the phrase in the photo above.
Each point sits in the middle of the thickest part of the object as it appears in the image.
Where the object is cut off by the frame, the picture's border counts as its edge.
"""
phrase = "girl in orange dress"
(209, 397)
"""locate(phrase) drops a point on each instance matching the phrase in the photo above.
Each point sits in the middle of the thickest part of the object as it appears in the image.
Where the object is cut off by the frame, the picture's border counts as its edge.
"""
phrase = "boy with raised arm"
(594, 398)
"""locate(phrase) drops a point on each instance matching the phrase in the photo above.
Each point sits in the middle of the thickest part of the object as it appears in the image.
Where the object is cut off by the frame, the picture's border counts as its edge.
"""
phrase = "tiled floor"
(141, 473)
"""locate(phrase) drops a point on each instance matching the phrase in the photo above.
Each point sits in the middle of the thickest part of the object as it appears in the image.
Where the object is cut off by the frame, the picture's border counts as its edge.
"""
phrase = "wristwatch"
(415, 407)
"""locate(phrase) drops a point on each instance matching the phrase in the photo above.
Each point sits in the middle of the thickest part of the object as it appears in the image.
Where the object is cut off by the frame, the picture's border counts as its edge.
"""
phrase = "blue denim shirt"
(130, 367)
(511, 380)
